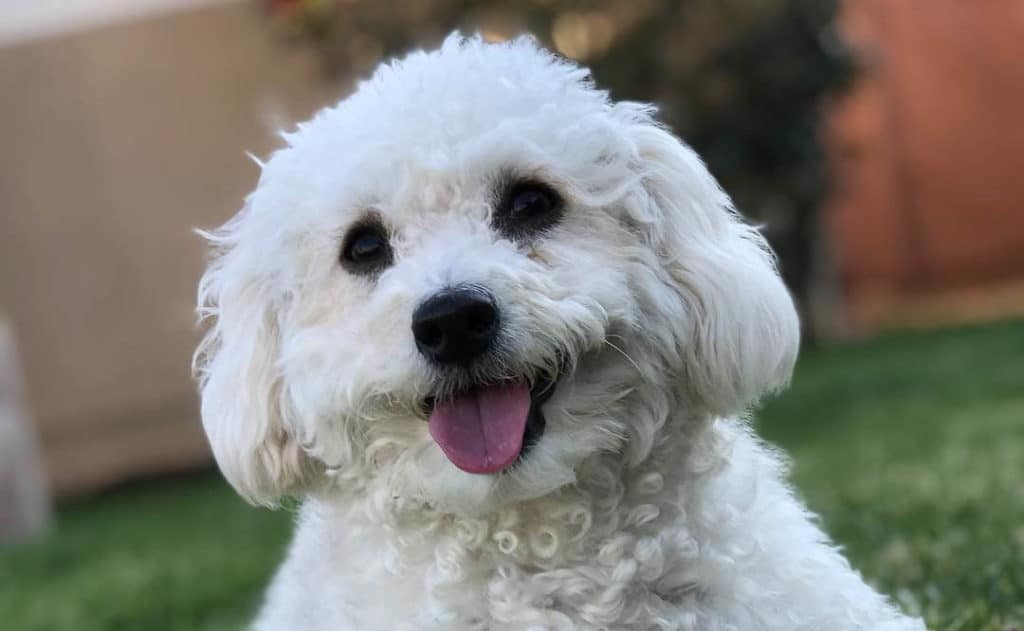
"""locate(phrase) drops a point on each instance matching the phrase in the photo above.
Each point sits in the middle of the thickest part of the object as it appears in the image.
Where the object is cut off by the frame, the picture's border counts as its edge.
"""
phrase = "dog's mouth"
(488, 428)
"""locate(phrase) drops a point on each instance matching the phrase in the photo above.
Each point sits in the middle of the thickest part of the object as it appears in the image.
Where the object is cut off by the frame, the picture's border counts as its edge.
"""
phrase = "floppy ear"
(243, 400)
(741, 332)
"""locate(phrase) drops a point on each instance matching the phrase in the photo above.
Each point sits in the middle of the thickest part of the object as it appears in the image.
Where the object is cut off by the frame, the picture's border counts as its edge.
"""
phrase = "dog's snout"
(456, 325)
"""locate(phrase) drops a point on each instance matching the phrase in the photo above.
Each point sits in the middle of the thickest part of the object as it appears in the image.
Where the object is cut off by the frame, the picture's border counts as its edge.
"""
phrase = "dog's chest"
(486, 576)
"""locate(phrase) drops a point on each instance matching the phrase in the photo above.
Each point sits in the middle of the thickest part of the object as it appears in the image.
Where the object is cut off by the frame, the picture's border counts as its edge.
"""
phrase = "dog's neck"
(611, 499)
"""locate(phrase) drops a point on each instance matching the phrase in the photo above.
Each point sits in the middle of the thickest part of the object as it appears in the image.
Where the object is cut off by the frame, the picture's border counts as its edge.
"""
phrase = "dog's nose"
(455, 325)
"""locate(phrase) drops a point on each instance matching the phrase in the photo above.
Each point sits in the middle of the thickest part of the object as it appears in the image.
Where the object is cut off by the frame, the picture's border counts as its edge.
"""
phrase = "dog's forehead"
(431, 104)
(435, 128)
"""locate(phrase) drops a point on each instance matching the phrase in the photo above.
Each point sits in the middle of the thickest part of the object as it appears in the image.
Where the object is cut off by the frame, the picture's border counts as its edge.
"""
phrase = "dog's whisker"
(635, 365)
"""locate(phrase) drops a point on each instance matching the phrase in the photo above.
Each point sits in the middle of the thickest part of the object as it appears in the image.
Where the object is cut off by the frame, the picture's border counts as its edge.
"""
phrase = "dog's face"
(470, 276)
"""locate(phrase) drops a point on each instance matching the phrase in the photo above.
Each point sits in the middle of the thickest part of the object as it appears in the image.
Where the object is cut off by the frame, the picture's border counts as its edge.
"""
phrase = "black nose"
(455, 325)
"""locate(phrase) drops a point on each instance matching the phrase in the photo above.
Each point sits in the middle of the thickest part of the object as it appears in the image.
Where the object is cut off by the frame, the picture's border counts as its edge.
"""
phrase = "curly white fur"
(647, 504)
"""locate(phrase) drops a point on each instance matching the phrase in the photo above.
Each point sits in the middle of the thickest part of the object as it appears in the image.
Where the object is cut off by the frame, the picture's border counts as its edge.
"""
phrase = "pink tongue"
(482, 431)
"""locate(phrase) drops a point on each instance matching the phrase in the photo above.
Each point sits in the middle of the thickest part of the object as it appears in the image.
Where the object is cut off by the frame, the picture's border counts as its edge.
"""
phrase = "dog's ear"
(243, 399)
(740, 332)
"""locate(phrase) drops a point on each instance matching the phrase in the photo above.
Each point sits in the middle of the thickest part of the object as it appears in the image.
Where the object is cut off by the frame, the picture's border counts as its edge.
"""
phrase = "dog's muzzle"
(486, 427)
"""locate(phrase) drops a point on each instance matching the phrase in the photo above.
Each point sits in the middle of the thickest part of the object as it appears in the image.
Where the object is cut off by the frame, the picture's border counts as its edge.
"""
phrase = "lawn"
(911, 447)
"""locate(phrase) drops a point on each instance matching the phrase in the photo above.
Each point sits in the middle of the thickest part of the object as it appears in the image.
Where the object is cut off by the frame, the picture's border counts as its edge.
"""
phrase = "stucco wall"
(117, 142)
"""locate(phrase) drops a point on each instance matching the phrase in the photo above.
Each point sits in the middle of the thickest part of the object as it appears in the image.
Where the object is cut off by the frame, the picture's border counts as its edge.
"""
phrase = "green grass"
(186, 554)
(911, 447)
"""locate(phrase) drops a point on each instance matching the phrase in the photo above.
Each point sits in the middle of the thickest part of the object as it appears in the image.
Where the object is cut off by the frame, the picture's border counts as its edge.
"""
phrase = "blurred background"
(880, 143)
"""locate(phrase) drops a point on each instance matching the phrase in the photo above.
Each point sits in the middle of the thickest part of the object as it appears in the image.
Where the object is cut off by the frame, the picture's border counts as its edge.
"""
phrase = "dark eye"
(366, 249)
(527, 208)
(529, 202)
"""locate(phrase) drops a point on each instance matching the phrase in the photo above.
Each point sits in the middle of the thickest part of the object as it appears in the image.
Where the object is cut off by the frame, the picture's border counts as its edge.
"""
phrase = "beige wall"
(116, 142)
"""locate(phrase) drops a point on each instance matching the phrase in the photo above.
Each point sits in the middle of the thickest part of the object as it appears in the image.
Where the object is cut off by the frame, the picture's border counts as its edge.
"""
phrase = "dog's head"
(471, 275)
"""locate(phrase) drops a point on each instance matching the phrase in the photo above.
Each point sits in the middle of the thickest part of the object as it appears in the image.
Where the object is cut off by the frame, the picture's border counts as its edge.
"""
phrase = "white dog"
(499, 334)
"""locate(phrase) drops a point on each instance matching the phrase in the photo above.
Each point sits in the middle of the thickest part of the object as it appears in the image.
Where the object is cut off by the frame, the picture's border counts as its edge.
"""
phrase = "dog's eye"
(366, 249)
(527, 208)
(530, 202)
